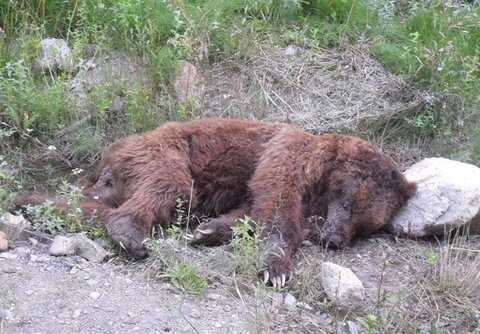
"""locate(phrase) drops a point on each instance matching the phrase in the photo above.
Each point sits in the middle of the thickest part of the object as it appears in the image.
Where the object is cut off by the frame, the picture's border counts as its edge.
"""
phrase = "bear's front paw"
(135, 248)
(277, 270)
(213, 233)
(129, 234)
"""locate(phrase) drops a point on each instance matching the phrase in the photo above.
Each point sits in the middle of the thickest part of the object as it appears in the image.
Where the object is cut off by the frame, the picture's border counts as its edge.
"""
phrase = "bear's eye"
(109, 184)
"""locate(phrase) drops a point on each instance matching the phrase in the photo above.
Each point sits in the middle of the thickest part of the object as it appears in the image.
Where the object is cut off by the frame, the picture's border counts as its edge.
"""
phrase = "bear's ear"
(408, 189)
(411, 189)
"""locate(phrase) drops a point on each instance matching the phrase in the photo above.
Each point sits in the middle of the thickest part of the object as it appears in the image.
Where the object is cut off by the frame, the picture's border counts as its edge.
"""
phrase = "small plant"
(370, 323)
(175, 232)
(7, 183)
(45, 218)
(186, 277)
(247, 246)
(432, 258)
(186, 110)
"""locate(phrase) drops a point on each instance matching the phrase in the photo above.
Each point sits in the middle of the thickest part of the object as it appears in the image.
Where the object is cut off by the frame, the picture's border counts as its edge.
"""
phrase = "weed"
(248, 247)
(186, 110)
(370, 324)
(186, 277)
(175, 232)
(45, 218)
(7, 184)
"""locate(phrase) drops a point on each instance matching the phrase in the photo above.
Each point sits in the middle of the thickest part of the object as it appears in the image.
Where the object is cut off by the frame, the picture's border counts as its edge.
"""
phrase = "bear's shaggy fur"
(275, 173)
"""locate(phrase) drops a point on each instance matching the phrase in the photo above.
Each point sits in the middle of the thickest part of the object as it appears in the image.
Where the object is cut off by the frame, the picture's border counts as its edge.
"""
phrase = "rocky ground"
(40, 293)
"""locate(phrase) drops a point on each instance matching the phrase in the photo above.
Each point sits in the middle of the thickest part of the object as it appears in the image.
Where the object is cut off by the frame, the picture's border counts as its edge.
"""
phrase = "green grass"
(434, 46)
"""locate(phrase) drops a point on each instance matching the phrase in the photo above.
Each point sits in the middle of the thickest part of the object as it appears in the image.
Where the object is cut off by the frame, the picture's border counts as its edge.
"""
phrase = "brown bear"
(275, 173)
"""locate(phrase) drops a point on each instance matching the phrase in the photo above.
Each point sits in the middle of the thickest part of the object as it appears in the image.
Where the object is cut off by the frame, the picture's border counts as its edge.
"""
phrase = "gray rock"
(76, 313)
(62, 246)
(341, 285)
(89, 249)
(15, 226)
(448, 196)
(290, 301)
(291, 50)
(55, 55)
(95, 294)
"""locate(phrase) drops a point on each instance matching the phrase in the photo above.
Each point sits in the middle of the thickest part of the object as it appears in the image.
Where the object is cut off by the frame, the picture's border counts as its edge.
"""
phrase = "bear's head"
(103, 187)
(361, 199)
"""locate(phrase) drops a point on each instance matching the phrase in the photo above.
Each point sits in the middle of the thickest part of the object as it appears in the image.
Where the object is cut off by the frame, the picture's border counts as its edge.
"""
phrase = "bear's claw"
(277, 282)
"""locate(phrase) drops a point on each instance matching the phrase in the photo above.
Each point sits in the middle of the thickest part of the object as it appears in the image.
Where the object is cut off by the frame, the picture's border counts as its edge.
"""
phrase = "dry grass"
(320, 90)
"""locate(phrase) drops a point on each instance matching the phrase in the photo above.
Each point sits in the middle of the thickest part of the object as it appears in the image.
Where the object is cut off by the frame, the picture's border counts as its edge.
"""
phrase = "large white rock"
(55, 55)
(341, 285)
(448, 196)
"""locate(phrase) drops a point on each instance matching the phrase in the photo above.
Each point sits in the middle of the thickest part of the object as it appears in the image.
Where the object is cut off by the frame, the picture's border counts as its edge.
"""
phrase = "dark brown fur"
(275, 173)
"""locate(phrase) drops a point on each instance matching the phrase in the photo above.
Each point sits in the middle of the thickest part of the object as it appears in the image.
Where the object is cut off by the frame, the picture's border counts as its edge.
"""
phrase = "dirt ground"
(40, 293)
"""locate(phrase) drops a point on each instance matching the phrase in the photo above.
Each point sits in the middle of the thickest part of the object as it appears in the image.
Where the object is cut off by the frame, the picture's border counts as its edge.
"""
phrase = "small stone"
(16, 227)
(77, 313)
(277, 300)
(195, 314)
(88, 249)
(218, 325)
(341, 284)
(10, 270)
(91, 282)
(33, 241)
(214, 296)
(95, 294)
(307, 243)
(8, 256)
(29, 292)
(74, 270)
(290, 301)
(3, 242)
(326, 318)
(62, 246)
(43, 259)
(291, 50)
(304, 306)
